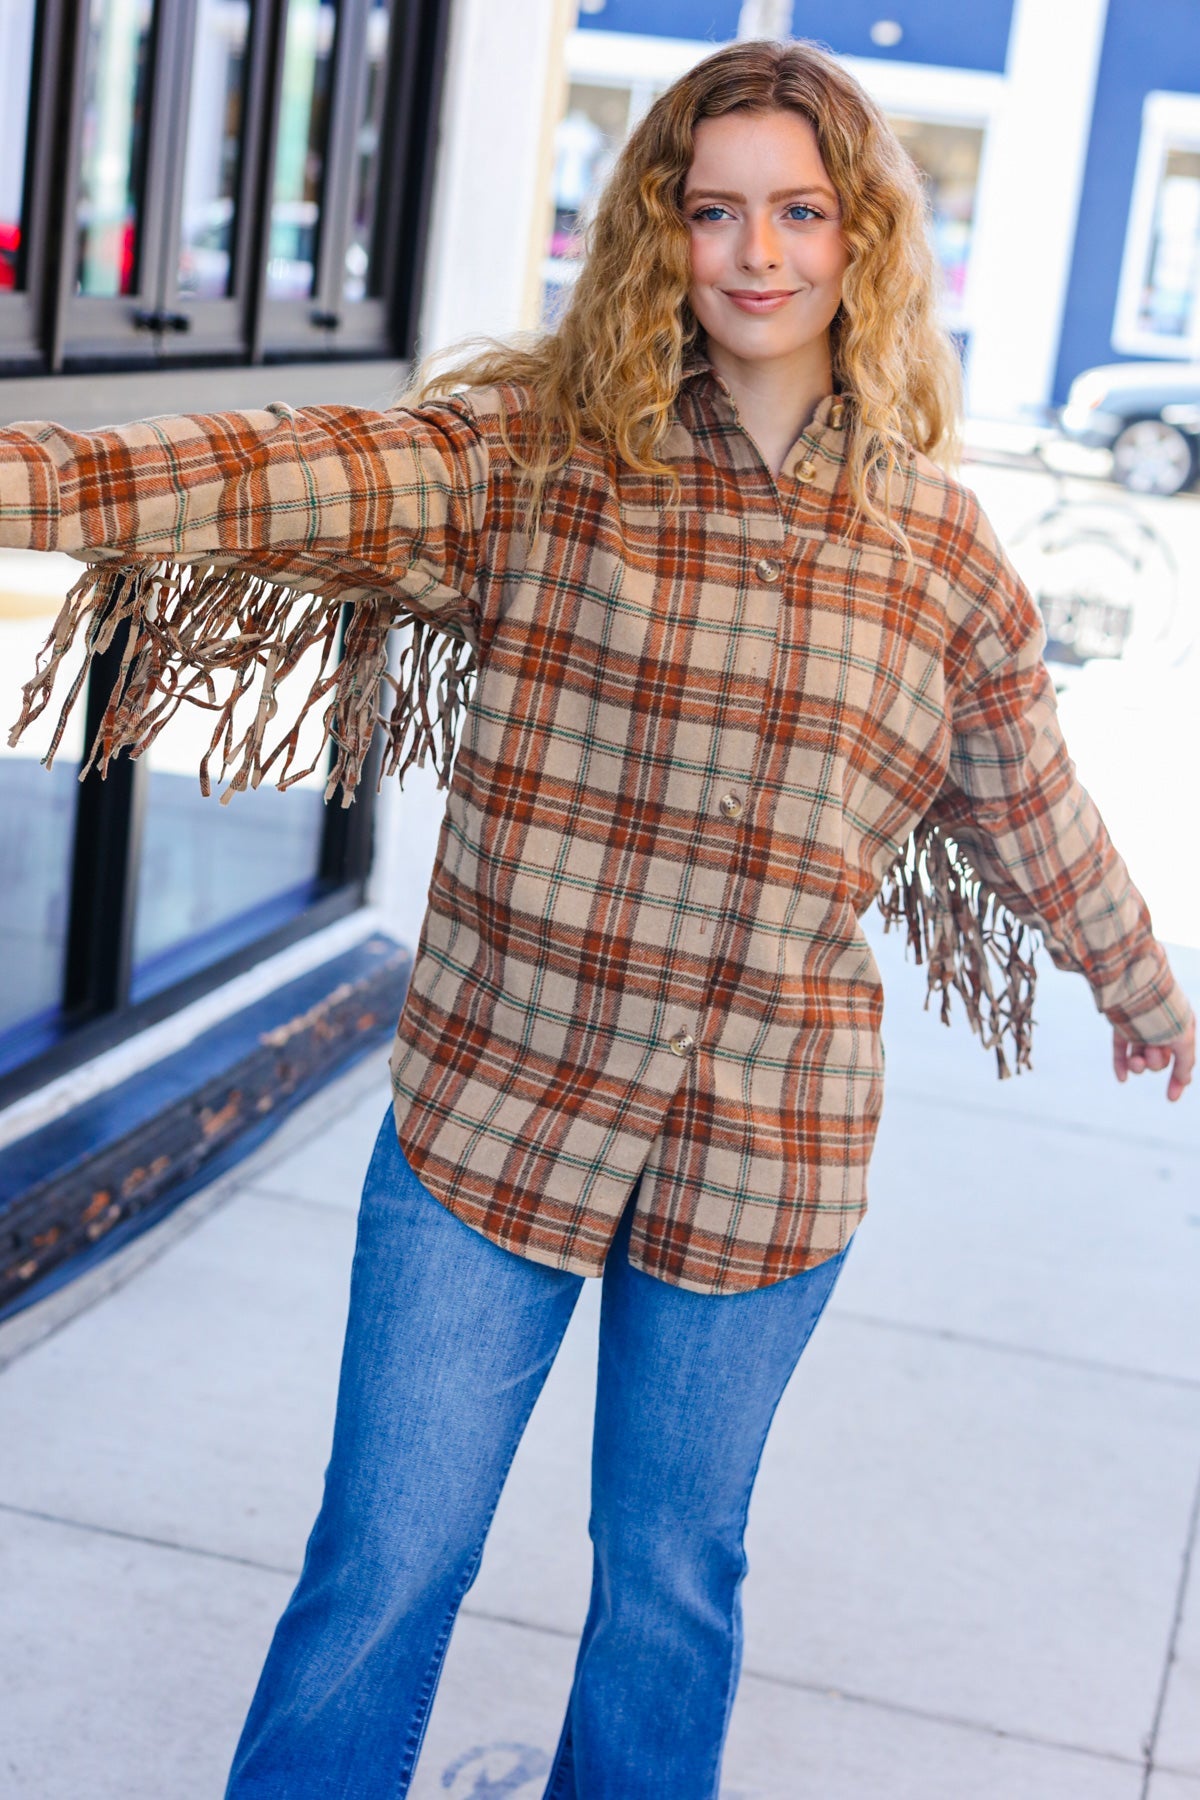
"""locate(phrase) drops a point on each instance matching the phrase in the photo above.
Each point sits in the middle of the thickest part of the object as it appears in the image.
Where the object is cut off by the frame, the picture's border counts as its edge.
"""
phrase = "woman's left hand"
(1132, 1059)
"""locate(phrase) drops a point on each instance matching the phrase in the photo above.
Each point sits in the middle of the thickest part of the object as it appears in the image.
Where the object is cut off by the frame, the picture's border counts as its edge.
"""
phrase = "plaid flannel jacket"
(699, 734)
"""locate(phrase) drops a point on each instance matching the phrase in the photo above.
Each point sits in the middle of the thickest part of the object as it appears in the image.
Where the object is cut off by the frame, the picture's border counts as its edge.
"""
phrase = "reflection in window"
(116, 95)
(948, 157)
(37, 805)
(361, 273)
(211, 877)
(16, 81)
(210, 174)
(1158, 300)
(594, 125)
(1169, 302)
(300, 150)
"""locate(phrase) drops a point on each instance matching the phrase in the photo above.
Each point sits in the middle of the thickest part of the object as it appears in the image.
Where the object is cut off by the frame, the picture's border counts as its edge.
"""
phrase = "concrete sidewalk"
(970, 1539)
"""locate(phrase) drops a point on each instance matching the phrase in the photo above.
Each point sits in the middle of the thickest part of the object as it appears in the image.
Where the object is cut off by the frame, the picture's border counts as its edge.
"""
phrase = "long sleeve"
(1014, 804)
(224, 546)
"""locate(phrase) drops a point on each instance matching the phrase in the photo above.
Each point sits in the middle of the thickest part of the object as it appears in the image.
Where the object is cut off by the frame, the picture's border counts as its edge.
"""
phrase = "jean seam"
(428, 1689)
(564, 1757)
(713, 1788)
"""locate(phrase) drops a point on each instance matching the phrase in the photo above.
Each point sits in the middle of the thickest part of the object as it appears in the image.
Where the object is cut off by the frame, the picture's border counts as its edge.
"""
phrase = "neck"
(775, 400)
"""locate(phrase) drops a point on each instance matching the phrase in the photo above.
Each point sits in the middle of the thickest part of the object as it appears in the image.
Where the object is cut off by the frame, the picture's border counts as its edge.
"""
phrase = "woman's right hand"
(1131, 1058)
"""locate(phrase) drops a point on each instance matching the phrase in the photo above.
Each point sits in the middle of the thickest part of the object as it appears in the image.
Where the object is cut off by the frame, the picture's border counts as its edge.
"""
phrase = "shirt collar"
(826, 432)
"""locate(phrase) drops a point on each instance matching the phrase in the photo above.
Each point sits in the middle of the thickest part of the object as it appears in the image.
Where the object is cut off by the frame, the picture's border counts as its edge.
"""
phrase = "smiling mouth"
(759, 300)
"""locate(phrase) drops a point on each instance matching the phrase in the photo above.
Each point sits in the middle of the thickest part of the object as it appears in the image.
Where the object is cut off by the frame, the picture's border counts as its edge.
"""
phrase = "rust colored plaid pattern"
(699, 733)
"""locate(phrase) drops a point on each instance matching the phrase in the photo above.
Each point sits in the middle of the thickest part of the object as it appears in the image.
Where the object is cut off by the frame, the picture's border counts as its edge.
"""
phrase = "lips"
(752, 300)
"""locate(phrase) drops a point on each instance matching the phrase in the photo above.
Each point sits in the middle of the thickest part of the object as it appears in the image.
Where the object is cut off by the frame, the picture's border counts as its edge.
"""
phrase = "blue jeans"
(448, 1343)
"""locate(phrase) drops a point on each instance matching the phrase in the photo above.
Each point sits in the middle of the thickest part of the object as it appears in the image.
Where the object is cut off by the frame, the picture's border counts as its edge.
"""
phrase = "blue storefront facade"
(1061, 144)
(1140, 206)
(934, 31)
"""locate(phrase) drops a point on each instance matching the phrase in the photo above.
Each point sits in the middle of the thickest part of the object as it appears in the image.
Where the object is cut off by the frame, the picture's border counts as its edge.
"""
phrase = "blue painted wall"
(955, 34)
(1145, 48)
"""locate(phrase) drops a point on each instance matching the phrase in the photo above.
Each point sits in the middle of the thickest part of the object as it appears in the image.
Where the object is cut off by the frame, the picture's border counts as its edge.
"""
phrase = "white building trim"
(626, 58)
(491, 220)
(1028, 203)
(491, 196)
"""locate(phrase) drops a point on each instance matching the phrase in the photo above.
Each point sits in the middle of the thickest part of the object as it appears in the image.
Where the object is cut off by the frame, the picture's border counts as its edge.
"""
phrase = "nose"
(759, 247)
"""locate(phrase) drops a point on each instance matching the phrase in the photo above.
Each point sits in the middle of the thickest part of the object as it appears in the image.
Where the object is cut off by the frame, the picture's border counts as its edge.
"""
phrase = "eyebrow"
(779, 194)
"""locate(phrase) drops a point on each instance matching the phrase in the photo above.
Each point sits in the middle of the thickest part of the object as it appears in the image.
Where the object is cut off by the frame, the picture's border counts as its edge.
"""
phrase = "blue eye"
(809, 212)
(709, 213)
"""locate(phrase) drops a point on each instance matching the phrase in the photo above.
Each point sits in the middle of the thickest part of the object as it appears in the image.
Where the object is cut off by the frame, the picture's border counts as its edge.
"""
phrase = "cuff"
(1156, 1013)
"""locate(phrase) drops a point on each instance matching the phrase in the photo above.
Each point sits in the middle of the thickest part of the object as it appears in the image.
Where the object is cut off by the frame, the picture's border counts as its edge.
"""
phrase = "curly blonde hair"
(609, 372)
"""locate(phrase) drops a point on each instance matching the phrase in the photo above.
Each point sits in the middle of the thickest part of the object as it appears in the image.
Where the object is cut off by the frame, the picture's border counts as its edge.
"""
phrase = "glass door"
(332, 213)
(30, 36)
(38, 808)
(209, 274)
(302, 222)
(119, 160)
(359, 278)
(165, 157)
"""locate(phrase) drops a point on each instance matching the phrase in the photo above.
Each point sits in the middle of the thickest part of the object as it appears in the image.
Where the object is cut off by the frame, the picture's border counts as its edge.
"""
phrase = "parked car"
(1147, 414)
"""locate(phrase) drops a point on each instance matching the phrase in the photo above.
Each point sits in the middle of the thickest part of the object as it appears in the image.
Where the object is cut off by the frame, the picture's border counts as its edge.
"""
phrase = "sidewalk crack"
(1150, 1744)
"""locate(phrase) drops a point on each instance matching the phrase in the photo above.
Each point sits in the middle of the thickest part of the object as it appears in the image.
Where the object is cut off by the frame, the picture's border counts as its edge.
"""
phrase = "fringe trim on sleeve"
(959, 926)
(225, 640)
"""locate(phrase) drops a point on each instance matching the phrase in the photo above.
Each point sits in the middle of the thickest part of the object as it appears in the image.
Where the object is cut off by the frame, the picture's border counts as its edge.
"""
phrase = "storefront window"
(214, 877)
(37, 805)
(17, 19)
(115, 125)
(1158, 301)
(948, 157)
(1169, 304)
(216, 116)
(300, 152)
(360, 278)
(589, 135)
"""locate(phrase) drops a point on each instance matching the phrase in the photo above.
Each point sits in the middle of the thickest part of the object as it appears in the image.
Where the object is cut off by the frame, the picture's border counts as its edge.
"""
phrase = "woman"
(745, 654)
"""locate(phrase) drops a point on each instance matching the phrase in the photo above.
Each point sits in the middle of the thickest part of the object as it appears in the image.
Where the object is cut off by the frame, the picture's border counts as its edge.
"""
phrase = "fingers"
(1181, 1074)
(1135, 1059)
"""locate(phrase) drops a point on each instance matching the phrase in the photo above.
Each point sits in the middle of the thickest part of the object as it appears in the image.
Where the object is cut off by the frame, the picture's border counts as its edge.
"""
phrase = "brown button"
(682, 1044)
(767, 569)
(807, 470)
(732, 806)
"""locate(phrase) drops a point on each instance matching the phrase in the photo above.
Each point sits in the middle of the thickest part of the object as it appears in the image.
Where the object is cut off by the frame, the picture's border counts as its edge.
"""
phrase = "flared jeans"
(448, 1343)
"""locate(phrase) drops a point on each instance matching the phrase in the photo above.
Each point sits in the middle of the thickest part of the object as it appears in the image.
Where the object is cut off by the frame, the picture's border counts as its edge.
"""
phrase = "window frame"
(326, 324)
(90, 329)
(23, 315)
(217, 328)
(1170, 121)
(97, 1007)
(49, 327)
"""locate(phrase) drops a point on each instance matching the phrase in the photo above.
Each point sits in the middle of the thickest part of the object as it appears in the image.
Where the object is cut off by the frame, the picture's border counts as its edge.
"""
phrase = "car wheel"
(1151, 457)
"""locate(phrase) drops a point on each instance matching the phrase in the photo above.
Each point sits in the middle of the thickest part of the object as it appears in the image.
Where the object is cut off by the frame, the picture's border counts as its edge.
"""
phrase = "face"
(766, 243)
